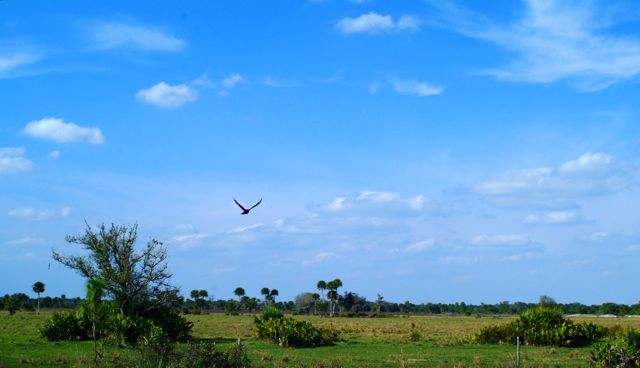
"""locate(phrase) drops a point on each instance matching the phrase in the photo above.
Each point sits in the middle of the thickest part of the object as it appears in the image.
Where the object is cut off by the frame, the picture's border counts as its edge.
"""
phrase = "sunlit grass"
(443, 341)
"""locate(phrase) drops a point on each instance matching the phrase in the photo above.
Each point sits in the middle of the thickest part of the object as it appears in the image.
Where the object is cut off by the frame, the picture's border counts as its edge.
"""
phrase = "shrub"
(273, 326)
(542, 326)
(623, 354)
(67, 325)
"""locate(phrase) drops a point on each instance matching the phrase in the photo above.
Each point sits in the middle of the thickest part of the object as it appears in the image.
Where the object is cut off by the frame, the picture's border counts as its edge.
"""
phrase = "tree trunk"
(38, 303)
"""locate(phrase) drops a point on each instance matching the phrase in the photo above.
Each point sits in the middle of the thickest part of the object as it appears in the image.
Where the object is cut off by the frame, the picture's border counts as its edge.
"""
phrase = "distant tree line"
(346, 303)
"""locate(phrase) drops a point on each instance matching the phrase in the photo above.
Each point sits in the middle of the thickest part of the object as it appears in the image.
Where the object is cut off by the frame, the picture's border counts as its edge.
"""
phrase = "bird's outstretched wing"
(260, 201)
(239, 205)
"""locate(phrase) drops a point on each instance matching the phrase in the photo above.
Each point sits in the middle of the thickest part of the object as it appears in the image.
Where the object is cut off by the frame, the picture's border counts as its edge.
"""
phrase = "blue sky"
(428, 151)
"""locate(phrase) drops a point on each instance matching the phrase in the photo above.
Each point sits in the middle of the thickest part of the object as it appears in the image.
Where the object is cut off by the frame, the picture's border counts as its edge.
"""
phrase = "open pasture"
(415, 341)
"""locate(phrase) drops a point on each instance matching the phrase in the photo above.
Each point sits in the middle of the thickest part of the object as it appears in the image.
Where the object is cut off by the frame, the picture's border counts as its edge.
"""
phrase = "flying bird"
(244, 210)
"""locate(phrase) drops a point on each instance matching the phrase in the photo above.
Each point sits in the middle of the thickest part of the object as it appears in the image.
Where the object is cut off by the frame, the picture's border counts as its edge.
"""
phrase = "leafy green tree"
(137, 282)
(322, 286)
(547, 301)
(38, 288)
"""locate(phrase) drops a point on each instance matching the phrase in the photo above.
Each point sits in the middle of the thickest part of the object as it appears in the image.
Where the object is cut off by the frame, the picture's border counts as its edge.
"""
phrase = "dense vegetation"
(542, 326)
(273, 326)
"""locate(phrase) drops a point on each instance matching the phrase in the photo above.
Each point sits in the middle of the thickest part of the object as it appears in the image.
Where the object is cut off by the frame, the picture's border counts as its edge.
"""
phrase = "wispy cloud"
(38, 214)
(376, 23)
(414, 87)
(109, 35)
(501, 239)
(55, 129)
(11, 62)
(54, 155)
(420, 246)
(319, 258)
(375, 202)
(166, 96)
(555, 218)
(556, 40)
(12, 160)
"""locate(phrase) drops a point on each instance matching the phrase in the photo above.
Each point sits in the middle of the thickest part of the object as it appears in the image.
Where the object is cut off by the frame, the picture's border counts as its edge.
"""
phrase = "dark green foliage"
(273, 326)
(11, 305)
(161, 353)
(542, 326)
(115, 328)
(622, 354)
(67, 325)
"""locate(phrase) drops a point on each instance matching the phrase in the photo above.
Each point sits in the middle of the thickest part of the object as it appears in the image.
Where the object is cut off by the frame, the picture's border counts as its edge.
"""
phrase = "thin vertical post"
(517, 351)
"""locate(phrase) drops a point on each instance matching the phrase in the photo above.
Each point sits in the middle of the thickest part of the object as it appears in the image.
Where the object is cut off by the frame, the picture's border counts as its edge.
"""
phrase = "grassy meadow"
(415, 341)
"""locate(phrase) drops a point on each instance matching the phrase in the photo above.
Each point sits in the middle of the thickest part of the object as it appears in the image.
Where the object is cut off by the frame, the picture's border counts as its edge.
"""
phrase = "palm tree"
(38, 288)
(333, 287)
(239, 293)
(265, 291)
(322, 286)
(95, 289)
(272, 295)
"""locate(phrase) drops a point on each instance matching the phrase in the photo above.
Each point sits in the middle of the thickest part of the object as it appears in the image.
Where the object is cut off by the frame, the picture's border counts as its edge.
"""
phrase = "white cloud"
(597, 236)
(12, 160)
(271, 81)
(319, 258)
(29, 213)
(109, 35)
(420, 246)
(501, 239)
(589, 175)
(413, 87)
(554, 218)
(24, 241)
(557, 40)
(375, 23)
(57, 130)
(376, 202)
(164, 95)
(242, 229)
(190, 238)
(65, 211)
(53, 155)
(13, 61)
(232, 80)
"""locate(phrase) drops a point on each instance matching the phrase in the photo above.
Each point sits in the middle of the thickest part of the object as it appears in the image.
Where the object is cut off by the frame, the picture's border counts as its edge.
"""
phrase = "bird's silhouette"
(245, 210)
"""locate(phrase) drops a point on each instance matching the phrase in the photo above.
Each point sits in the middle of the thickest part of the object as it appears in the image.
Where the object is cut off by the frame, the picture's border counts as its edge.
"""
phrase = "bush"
(116, 328)
(67, 325)
(273, 326)
(623, 354)
(542, 326)
(203, 354)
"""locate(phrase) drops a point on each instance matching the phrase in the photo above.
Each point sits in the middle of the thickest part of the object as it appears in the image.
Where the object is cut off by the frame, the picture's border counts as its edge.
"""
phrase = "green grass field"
(366, 342)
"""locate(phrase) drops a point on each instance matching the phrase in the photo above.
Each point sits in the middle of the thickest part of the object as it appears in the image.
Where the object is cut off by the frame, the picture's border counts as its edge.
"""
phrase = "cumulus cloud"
(109, 35)
(556, 40)
(57, 130)
(589, 175)
(375, 23)
(413, 87)
(12, 160)
(501, 239)
(165, 96)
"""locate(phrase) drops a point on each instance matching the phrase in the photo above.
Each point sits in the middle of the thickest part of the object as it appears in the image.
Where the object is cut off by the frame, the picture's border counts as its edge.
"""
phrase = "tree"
(547, 301)
(333, 287)
(137, 282)
(38, 288)
(322, 286)
(269, 295)
(11, 305)
(239, 293)
(379, 300)
(198, 298)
